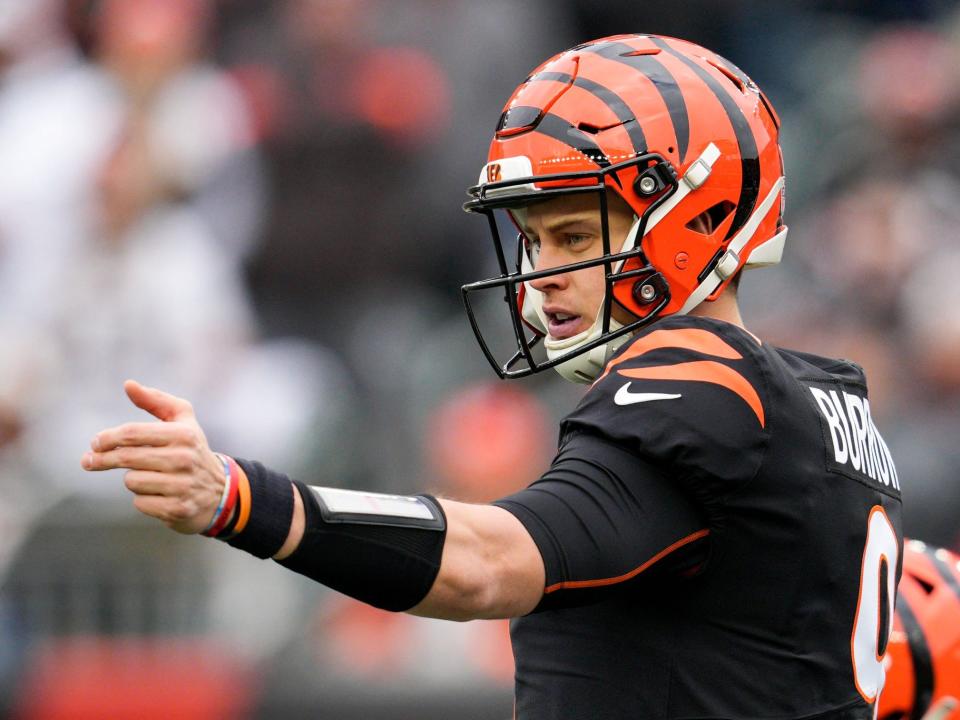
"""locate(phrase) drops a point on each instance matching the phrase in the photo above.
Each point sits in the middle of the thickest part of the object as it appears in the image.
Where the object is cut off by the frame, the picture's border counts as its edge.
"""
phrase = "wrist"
(296, 529)
(240, 513)
(265, 511)
(226, 506)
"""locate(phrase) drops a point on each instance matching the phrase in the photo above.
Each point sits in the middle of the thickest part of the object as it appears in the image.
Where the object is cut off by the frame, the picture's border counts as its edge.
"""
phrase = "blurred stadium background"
(256, 204)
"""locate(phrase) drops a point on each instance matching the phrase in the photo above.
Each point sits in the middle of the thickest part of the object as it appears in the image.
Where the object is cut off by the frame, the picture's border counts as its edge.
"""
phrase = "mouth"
(563, 325)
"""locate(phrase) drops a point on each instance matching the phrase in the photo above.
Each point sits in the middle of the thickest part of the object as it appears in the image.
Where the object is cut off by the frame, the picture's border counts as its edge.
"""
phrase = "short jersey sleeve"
(691, 396)
(604, 519)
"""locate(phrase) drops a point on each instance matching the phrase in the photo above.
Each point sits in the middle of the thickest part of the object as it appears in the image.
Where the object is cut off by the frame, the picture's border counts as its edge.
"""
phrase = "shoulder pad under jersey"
(689, 394)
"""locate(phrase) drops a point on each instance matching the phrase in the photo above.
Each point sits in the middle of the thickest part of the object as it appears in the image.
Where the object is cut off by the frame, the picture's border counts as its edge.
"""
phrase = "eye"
(531, 246)
(575, 239)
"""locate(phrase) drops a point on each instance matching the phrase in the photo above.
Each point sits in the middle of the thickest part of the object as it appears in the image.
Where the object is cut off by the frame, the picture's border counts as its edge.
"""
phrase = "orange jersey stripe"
(703, 371)
(571, 584)
(701, 341)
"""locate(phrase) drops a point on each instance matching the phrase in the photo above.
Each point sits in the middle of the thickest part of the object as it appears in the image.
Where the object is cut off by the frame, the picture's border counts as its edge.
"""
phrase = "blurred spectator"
(487, 441)
(908, 85)
(58, 118)
(152, 290)
(47, 162)
(190, 118)
(152, 298)
(356, 115)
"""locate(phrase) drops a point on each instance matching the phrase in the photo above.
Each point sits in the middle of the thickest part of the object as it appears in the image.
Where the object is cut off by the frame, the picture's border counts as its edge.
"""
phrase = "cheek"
(591, 285)
(622, 315)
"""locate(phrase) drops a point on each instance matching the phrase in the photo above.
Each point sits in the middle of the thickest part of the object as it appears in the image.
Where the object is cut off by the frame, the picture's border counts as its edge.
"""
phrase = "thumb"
(161, 405)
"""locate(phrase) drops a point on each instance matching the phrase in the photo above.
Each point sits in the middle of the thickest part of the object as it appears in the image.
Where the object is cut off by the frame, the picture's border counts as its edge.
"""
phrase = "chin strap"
(767, 254)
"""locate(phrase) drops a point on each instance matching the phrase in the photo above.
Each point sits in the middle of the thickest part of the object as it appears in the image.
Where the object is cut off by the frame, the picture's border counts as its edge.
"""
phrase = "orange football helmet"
(923, 654)
(675, 130)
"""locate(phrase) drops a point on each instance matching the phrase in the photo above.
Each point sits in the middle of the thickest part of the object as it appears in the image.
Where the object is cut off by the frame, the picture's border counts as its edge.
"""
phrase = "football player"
(923, 659)
(719, 532)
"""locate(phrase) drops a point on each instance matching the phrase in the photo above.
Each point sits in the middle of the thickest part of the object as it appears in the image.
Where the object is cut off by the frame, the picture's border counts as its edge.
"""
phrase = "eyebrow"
(586, 217)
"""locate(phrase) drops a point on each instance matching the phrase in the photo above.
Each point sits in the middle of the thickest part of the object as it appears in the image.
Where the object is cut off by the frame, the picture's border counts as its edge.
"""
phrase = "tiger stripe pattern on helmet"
(683, 136)
(923, 655)
(563, 131)
(750, 162)
(646, 93)
(663, 82)
(613, 101)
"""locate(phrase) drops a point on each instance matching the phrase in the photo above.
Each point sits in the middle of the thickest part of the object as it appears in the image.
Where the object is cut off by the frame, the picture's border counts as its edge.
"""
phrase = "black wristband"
(271, 511)
(388, 560)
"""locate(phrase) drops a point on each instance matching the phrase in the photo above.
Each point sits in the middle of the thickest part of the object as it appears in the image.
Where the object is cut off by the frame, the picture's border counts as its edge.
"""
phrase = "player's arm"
(446, 559)
(598, 519)
(489, 565)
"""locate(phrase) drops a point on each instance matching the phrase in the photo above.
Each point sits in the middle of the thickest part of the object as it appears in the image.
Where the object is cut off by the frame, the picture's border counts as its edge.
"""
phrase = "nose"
(547, 259)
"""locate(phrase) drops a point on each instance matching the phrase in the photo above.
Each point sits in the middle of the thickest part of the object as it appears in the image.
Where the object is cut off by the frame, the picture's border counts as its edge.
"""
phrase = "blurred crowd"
(256, 205)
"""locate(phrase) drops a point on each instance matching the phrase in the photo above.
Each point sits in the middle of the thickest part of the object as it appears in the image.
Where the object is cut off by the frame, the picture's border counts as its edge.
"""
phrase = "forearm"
(471, 561)
(490, 568)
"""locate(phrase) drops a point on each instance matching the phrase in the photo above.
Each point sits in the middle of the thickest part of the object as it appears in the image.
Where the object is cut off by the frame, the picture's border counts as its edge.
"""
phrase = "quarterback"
(719, 534)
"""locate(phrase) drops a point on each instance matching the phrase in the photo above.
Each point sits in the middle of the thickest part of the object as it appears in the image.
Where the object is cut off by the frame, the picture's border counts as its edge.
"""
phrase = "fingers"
(148, 482)
(148, 433)
(143, 457)
(172, 472)
(161, 405)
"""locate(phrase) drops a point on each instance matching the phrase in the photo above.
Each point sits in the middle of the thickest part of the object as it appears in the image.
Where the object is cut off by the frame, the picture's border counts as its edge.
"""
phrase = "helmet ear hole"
(710, 219)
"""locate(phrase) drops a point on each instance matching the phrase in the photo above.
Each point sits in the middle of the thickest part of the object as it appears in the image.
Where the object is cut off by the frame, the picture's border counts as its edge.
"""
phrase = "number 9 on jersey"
(874, 619)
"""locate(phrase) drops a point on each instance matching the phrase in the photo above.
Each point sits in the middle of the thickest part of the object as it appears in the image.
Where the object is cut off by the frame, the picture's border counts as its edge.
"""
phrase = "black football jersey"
(721, 532)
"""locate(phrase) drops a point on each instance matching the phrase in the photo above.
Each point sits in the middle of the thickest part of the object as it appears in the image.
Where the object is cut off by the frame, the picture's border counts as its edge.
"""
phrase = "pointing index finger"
(138, 433)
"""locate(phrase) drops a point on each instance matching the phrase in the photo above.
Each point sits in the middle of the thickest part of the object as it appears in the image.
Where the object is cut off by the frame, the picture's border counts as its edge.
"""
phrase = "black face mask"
(519, 343)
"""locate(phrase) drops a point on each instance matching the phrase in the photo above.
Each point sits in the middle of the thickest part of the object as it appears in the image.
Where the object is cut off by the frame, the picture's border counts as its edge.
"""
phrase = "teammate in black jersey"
(719, 533)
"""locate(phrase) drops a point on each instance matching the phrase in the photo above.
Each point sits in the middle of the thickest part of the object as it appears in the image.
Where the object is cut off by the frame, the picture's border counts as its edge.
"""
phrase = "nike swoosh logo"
(625, 397)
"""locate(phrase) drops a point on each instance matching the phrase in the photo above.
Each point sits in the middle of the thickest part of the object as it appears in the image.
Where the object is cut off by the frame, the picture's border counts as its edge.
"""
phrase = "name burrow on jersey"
(857, 444)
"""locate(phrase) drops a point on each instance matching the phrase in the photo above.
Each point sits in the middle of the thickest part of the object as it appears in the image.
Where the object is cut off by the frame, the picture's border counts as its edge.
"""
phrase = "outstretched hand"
(171, 470)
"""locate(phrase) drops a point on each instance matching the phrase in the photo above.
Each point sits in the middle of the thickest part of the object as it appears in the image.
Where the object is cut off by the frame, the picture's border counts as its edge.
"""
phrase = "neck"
(724, 308)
